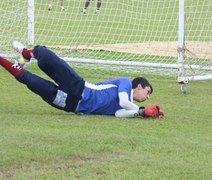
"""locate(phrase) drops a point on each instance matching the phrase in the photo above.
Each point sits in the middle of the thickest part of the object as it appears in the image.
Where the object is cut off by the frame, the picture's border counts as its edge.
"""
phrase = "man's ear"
(139, 86)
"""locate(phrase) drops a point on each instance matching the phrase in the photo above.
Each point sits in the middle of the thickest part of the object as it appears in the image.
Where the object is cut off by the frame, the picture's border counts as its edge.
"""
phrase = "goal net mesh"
(141, 34)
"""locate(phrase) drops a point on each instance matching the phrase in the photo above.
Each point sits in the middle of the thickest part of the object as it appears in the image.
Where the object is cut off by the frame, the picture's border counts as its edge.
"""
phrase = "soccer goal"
(168, 37)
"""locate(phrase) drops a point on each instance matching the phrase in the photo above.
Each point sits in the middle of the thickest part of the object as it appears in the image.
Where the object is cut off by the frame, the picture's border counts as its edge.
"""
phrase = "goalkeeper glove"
(153, 111)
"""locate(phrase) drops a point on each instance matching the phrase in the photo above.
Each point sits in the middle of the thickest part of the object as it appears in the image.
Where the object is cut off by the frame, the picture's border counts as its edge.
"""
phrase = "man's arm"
(125, 103)
(129, 108)
(153, 111)
(123, 113)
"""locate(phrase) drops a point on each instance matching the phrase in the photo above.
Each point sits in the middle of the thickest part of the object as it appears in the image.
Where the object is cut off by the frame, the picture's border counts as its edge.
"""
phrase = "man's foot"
(62, 9)
(50, 7)
(84, 11)
(26, 53)
(19, 47)
(97, 12)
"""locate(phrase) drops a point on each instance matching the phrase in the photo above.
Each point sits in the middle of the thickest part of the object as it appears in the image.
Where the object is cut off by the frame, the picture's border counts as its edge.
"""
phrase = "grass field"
(40, 142)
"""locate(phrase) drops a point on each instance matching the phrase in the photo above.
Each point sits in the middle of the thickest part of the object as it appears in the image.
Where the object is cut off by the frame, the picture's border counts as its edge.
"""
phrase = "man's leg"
(50, 5)
(98, 5)
(67, 79)
(12, 68)
(64, 75)
(47, 90)
(87, 3)
(57, 69)
(62, 5)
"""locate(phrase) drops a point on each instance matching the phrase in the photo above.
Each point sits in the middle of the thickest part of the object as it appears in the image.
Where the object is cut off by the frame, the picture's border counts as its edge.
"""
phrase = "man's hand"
(153, 111)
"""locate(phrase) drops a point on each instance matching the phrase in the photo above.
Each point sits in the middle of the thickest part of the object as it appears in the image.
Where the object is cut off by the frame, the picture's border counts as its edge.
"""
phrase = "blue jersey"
(102, 98)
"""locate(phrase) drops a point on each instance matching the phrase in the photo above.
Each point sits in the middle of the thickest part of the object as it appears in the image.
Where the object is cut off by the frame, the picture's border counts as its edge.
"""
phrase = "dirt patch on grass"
(198, 49)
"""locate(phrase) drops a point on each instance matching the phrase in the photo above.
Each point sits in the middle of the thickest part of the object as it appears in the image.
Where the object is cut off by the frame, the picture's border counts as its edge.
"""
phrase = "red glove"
(153, 111)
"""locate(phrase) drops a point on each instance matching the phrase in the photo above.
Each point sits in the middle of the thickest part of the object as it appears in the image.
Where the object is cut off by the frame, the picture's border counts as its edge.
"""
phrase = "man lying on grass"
(72, 93)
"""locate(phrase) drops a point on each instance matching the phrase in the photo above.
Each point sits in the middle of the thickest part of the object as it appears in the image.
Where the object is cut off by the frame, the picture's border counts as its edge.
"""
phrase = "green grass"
(40, 142)
(119, 22)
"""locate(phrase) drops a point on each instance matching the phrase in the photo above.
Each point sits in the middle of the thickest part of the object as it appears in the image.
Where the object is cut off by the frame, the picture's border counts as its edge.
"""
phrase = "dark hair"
(142, 81)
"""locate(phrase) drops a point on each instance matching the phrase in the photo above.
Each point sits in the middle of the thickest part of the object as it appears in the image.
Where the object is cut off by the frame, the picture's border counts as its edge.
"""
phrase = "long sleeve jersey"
(107, 97)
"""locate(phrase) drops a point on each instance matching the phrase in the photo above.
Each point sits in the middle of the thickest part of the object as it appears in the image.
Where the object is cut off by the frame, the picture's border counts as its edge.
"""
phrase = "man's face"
(140, 94)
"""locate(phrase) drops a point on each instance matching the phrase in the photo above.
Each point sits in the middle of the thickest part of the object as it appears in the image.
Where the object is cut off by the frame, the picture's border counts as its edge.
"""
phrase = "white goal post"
(161, 36)
(182, 78)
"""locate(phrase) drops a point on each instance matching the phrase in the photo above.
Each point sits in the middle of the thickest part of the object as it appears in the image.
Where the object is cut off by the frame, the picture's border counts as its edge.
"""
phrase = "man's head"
(141, 89)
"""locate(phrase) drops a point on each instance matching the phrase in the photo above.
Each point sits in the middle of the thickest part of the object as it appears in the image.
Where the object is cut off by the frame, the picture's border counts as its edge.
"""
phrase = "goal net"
(135, 35)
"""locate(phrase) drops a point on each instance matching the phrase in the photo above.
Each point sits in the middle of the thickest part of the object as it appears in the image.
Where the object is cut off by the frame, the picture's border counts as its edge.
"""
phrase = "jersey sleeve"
(123, 113)
(124, 93)
(125, 103)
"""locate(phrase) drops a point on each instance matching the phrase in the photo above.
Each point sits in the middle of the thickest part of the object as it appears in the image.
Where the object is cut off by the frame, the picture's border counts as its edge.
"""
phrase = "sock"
(27, 54)
(12, 68)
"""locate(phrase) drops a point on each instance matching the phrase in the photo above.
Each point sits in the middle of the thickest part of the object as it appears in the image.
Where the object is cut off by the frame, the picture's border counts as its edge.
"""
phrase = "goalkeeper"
(72, 93)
